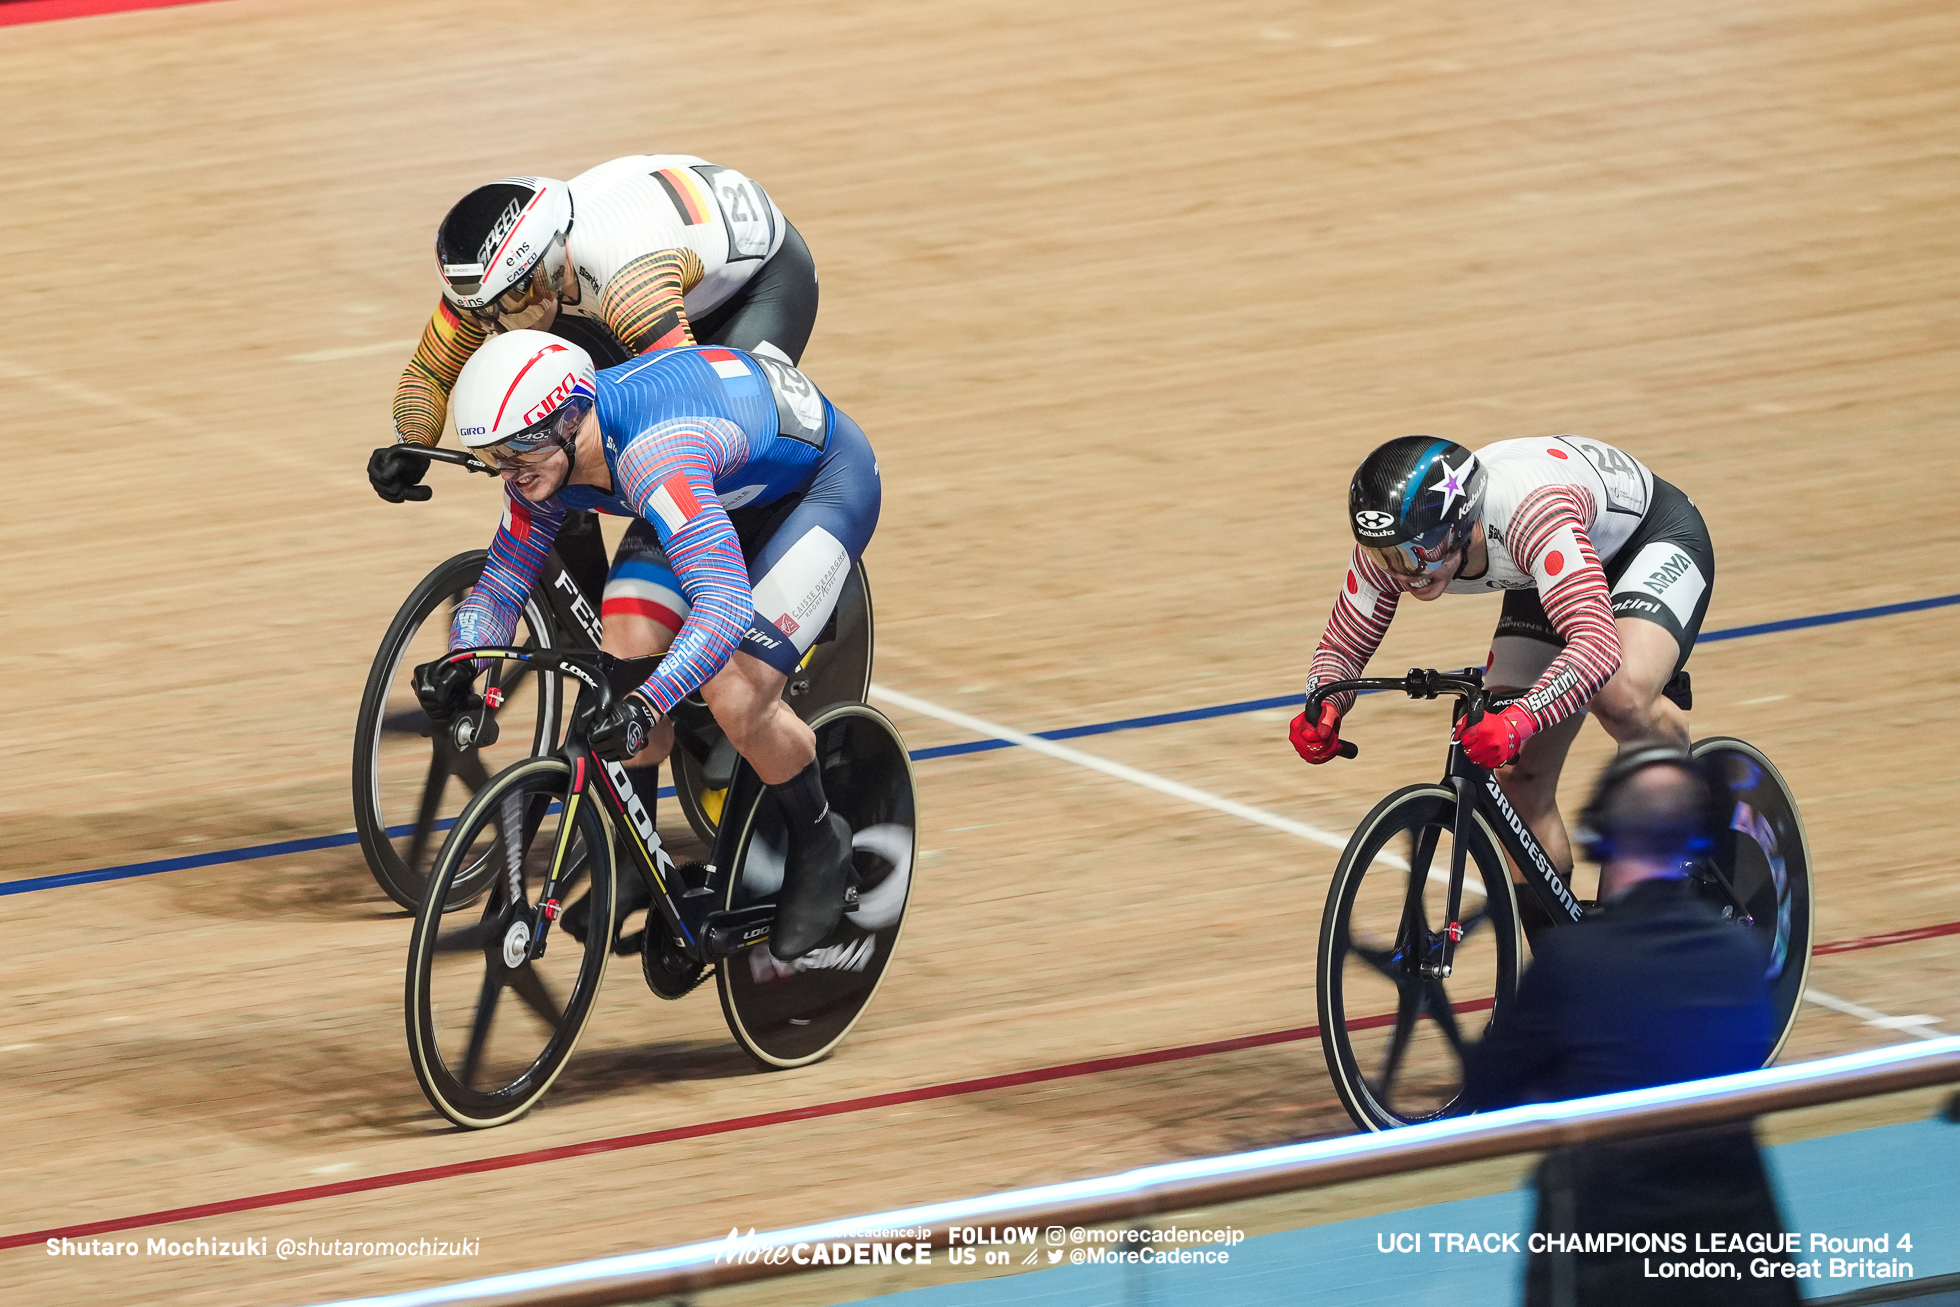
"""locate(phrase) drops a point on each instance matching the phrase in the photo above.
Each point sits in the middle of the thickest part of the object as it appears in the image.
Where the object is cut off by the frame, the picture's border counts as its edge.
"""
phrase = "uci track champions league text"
(1673, 1255)
(993, 1245)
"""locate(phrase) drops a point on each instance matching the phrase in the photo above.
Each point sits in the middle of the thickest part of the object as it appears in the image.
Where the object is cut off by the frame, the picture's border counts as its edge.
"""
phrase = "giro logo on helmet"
(1374, 522)
(561, 392)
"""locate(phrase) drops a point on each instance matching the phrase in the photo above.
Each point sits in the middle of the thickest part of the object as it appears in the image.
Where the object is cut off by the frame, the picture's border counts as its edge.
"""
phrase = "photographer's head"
(1650, 814)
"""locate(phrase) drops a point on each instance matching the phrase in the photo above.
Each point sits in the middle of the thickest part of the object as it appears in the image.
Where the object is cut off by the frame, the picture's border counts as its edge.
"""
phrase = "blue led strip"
(284, 847)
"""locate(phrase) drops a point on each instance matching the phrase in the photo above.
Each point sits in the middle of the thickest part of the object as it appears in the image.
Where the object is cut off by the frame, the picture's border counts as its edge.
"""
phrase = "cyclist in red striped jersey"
(1606, 571)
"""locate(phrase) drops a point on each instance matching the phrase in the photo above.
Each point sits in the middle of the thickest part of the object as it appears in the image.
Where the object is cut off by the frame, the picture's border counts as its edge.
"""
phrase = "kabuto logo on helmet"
(1373, 522)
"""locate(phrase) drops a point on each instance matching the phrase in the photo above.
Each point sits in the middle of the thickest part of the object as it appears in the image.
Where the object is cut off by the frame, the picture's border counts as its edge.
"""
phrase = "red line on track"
(13, 12)
(815, 1111)
(1889, 937)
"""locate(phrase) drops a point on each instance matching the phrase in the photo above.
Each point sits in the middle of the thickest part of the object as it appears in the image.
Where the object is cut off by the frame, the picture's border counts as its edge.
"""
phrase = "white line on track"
(1919, 1027)
(352, 351)
(1135, 776)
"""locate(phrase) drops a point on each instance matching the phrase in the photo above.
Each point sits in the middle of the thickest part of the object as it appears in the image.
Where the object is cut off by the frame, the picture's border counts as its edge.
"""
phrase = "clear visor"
(1424, 555)
(554, 432)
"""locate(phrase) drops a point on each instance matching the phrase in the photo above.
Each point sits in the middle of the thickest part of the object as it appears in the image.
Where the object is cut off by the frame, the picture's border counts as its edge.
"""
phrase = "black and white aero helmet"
(501, 250)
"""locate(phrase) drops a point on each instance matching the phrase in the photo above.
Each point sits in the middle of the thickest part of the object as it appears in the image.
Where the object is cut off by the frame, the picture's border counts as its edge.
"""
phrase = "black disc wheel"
(1763, 858)
(410, 779)
(1392, 1025)
(490, 1026)
(836, 670)
(787, 1014)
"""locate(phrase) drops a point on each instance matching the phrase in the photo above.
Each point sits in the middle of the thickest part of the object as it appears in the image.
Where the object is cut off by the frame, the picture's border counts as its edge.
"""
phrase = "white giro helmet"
(522, 391)
(501, 249)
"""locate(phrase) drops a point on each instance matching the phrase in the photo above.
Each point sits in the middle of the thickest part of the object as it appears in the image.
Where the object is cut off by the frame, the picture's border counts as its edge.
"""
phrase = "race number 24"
(1626, 490)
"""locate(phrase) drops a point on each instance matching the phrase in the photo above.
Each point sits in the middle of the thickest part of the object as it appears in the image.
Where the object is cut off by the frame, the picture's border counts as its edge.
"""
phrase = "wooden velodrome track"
(1121, 293)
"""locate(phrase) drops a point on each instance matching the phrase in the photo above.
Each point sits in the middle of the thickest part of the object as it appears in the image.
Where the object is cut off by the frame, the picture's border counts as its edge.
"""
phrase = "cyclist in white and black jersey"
(1606, 571)
(641, 253)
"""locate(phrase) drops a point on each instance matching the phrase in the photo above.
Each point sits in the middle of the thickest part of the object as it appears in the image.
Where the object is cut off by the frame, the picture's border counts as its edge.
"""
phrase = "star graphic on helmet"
(1452, 484)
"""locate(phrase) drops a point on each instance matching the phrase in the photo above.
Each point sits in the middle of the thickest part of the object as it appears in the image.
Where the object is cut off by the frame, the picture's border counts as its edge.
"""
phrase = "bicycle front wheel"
(484, 1057)
(1762, 850)
(1392, 1027)
(403, 766)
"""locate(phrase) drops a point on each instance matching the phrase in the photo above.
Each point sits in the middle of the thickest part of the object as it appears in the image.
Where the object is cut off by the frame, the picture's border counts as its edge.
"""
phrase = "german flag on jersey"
(684, 189)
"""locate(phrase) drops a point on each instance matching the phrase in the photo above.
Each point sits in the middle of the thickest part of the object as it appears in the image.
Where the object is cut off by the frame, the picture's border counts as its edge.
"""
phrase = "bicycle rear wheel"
(403, 799)
(1764, 854)
(1385, 918)
(483, 1059)
(788, 1014)
(838, 670)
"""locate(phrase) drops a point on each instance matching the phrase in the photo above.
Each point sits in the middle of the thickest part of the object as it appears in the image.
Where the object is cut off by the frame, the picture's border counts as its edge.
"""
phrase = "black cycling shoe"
(812, 899)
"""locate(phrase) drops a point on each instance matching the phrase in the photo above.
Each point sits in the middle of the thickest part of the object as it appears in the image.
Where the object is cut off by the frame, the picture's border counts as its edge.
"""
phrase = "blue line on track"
(284, 847)
(1827, 619)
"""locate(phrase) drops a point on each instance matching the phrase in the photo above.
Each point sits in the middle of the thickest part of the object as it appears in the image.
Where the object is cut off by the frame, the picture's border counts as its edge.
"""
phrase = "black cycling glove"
(444, 688)
(397, 474)
(621, 731)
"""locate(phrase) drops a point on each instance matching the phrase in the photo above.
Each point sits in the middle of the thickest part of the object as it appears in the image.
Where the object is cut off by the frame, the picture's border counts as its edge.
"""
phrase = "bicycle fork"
(1424, 956)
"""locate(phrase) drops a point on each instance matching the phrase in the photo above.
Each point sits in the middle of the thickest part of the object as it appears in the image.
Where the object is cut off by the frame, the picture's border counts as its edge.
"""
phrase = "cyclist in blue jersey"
(753, 496)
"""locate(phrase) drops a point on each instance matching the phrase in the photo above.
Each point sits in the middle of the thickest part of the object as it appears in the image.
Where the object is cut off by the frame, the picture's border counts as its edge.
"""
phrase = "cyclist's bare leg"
(746, 696)
(1630, 705)
(1531, 784)
(632, 635)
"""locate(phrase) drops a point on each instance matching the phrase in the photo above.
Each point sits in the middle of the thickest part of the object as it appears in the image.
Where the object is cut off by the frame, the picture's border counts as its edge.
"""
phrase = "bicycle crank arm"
(729, 933)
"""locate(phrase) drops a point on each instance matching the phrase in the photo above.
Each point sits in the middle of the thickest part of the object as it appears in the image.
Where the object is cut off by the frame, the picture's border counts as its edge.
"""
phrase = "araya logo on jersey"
(1374, 522)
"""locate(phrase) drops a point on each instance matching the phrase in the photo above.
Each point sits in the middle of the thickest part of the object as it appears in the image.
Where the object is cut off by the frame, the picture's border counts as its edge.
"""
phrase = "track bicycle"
(403, 797)
(1422, 919)
(547, 838)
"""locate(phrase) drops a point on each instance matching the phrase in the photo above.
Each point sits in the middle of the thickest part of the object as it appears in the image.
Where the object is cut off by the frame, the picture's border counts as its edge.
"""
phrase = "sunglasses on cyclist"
(1424, 555)
(522, 305)
(518, 450)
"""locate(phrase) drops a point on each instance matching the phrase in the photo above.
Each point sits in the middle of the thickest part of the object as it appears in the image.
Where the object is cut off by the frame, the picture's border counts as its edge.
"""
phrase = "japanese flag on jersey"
(1564, 556)
(674, 502)
(1358, 594)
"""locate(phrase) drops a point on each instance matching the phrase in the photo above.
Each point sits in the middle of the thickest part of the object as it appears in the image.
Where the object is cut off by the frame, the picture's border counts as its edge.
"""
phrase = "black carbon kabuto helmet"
(1413, 502)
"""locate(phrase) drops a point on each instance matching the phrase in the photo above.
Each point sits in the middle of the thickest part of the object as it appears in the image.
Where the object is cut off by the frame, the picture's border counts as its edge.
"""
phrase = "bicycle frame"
(1477, 792)
(689, 911)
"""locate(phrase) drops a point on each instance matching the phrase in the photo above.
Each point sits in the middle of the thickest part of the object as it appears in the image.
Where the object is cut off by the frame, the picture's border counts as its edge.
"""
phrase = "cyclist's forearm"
(643, 305)
(707, 561)
(1589, 659)
(422, 395)
(671, 484)
(489, 616)
(1362, 611)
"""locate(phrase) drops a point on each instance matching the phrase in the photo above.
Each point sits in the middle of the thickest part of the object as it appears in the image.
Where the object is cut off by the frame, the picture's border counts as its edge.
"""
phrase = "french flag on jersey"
(674, 502)
(727, 365)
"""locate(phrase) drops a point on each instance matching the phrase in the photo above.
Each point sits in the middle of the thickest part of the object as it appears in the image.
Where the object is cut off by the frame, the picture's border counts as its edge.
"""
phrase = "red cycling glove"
(1319, 741)
(1497, 738)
